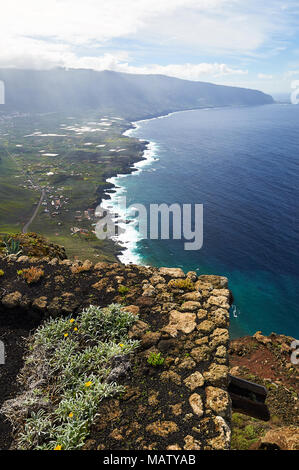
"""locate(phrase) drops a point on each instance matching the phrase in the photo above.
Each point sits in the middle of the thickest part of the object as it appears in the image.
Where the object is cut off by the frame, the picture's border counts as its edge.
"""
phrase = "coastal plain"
(53, 172)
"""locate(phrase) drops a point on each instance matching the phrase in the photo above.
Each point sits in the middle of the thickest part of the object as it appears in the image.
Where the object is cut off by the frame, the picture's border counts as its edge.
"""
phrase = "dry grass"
(80, 268)
(32, 275)
(184, 284)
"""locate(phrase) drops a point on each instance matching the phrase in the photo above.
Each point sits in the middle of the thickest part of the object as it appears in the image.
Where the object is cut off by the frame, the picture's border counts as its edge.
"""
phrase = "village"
(55, 205)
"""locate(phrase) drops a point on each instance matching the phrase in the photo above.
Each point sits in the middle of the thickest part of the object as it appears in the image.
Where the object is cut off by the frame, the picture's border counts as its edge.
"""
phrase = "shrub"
(80, 268)
(245, 431)
(250, 431)
(32, 275)
(238, 420)
(12, 247)
(123, 290)
(184, 284)
(240, 441)
(155, 359)
(76, 355)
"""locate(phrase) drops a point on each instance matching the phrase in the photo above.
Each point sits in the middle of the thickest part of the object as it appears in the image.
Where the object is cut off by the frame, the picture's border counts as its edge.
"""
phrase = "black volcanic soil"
(264, 360)
(13, 331)
(16, 324)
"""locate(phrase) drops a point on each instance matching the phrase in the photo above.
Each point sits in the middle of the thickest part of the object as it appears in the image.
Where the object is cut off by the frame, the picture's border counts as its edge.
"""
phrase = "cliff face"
(175, 394)
(176, 384)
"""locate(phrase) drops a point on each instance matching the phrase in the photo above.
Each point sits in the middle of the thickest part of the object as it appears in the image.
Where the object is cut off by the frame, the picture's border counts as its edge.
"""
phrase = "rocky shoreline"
(126, 168)
(105, 191)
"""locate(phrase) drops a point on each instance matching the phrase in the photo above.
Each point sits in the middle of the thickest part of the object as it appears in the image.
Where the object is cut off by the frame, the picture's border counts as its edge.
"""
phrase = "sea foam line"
(128, 236)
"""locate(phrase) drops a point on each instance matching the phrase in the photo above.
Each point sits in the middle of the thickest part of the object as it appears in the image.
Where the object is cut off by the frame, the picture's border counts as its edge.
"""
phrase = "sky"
(248, 43)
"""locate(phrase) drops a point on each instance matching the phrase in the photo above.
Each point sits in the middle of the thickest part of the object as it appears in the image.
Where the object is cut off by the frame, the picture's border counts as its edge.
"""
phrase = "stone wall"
(181, 404)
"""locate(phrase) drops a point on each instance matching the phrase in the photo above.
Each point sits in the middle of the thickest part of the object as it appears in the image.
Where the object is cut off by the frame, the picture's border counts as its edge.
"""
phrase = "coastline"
(108, 197)
(128, 237)
(126, 241)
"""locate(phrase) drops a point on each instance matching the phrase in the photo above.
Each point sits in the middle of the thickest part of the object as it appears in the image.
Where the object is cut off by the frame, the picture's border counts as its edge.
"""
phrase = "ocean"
(242, 164)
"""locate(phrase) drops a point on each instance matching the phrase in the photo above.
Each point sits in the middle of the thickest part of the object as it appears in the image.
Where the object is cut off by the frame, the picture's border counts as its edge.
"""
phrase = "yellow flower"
(121, 345)
(88, 384)
(71, 414)
(58, 447)
(65, 335)
(72, 320)
(75, 329)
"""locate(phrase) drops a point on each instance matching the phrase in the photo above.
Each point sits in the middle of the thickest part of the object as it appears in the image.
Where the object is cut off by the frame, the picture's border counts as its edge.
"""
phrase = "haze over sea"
(242, 164)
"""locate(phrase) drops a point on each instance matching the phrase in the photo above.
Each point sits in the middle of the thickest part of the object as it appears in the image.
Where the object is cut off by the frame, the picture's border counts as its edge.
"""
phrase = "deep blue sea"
(242, 164)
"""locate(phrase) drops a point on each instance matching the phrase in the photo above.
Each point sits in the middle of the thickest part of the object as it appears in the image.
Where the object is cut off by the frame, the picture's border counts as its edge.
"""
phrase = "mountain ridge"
(129, 95)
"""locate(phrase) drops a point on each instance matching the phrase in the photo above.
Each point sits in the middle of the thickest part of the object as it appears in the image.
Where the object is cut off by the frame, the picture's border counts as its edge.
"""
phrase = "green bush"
(76, 353)
(12, 247)
(250, 431)
(238, 420)
(123, 290)
(239, 442)
(184, 284)
(155, 359)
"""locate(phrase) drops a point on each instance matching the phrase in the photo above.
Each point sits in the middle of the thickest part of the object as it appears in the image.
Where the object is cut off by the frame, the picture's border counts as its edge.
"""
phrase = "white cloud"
(42, 57)
(80, 22)
(157, 35)
(224, 30)
(264, 76)
(41, 31)
(185, 71)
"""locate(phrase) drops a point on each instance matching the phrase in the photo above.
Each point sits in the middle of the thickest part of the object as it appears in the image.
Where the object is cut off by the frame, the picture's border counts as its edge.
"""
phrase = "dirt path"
(43, 194)
(26, 226)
